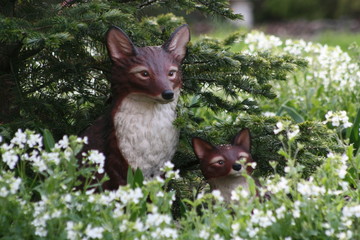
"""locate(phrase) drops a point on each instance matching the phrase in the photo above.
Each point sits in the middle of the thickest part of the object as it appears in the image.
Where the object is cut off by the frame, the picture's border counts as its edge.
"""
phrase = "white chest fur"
(146, 135)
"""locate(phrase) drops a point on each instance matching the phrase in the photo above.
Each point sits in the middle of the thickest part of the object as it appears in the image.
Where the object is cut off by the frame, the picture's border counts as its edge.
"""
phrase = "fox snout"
(236, 167)
(167, 95)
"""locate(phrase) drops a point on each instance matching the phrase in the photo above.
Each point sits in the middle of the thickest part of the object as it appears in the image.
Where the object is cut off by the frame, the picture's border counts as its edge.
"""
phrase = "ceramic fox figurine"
(223, 166)
(138, 132)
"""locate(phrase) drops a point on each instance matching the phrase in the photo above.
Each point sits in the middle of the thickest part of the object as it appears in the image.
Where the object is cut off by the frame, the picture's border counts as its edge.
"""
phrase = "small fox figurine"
(138, 131)
(223, 166)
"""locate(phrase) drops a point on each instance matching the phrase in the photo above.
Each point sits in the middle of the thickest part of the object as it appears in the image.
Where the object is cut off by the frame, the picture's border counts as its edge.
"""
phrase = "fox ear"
(242, 139)
(119, 44)
(177, 42)
(201, 147)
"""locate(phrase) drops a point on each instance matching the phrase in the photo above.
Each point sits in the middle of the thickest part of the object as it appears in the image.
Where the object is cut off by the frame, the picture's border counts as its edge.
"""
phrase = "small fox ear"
(201, 147)
(177, 42)
(119, 44)
(242, 139)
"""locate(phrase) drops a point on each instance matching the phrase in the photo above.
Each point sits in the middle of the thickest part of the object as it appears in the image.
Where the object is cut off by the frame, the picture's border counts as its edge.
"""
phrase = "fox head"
(224, 160)
(147, 73)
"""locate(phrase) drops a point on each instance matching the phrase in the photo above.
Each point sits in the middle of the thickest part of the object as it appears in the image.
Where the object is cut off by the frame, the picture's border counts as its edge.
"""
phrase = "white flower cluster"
(309, 189)
(262, 219)
(291, 130)
(337, 119)
(258, 41)
(42, 215)
(74, 231)
(327, 65)
(169, 171)
(123, 196)
(9, 184)
(340, 162)
(240, 193)
(97, 158)
(21, 139)
(217, 195)
(277, 185)
(351, 211)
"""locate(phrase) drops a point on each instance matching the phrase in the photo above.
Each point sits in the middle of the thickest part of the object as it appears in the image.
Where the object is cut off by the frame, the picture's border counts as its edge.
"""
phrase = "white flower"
(156, 219)
(200, 195)
(235, 196)
(168, 165)
(263, 219)
(235, 228)
(351, 211)
(309, 189)
(280, 127)
(329, 232)
(71, 231)
(292, 134)
(204, 234)
(35, 140)
(97, 158)
(253, 165)
(19, 139)
(172, 174)
(94, 233)
(296, 211)
(15, 185)
(139, 226)
(269, 114)
(51, 157)
(4, 192)
(160, 194)
(217, 237)
(280, 212)
(169, 233)
(63, 143)
(217, 195)
(277, 186)
(337, 118)
(252, 231)
(10, 158)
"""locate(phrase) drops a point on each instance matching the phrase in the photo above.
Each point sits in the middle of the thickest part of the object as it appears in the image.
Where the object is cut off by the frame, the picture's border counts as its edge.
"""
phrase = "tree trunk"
(8, 86)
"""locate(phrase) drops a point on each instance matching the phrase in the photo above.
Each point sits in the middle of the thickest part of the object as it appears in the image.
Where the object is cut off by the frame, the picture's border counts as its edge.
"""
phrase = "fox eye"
(172, 73)
(221, 162)
(144, 73)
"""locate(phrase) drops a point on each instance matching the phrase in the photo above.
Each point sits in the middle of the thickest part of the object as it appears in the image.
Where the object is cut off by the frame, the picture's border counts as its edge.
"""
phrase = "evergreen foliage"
(54, 69)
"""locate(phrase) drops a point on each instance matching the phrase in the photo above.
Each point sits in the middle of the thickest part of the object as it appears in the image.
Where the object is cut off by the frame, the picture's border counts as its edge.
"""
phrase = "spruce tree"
(54, 67)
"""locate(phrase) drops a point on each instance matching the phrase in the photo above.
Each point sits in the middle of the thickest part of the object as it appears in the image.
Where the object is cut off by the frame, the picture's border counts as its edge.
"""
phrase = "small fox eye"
(172, 73)
(221, 162)
(144, 73)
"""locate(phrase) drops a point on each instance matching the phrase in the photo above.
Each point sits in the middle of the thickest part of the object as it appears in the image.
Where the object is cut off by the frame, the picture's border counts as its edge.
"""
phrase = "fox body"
(138, 130)
(224, 166)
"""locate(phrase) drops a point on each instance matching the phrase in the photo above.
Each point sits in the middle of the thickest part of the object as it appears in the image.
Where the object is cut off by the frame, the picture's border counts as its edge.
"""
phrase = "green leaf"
(354, 135)
(292, 113)
(130, 177)
(252, 185)
(138, 178)
(48, 140)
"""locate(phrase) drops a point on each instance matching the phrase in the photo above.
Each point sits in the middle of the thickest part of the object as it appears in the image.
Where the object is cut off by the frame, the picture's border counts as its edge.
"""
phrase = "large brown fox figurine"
(138, 132)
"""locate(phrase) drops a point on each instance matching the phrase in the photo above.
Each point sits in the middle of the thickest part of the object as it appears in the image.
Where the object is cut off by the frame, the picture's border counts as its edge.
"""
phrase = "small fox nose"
(236, 167)
(167, 94)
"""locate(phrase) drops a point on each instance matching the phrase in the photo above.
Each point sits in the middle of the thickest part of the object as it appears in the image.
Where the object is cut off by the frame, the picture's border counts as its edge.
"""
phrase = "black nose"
(167, 94)
(236, 167)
